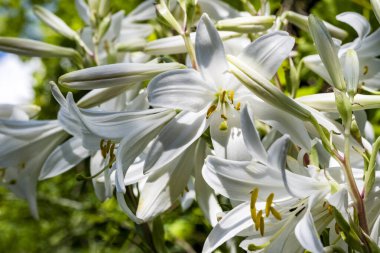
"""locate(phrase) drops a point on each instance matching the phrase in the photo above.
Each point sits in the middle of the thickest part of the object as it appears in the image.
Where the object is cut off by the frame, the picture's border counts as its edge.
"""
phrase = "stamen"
(262, 226)
(254, 195)
(103, 148)
(259, 217)
(275, 213)
(253, 213)
(223, 116)
(210, 110)
(223, 98)
(231, 94)
(237, 106)
(108, 146)
(269, 204)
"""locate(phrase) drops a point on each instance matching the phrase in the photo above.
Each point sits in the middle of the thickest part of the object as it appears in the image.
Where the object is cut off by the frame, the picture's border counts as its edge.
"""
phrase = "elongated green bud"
(249, 24)
(301, 21)
(104, 8)
(54, 22)
(167, 16)
(176, 45)
(327, 51)
(35, 48)
(264, 89)
(351, 71)
(114, 75)
(326, 102)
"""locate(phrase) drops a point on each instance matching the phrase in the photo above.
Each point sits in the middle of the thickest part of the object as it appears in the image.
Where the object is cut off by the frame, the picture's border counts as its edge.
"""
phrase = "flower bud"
(104, 8)
(327, 51)
(114, 75)
(167, 16)
(351, 71)
(249, 24)
(301, 21)
(36, 48)
(54, 22)
(326, 102)
(176, 45)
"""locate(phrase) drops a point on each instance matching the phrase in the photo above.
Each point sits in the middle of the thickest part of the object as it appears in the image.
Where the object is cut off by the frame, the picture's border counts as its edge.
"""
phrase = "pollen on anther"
(210, 111)
(268, 204)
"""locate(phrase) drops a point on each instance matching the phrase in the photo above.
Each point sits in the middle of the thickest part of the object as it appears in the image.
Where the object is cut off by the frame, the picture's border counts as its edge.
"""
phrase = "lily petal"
(235, 221)
(267, 53)
(174, 138)
(356, 21)
(63, 158)
(210, 53)
(163, 187)
(251, 136)
(205, 196)
(180, 89)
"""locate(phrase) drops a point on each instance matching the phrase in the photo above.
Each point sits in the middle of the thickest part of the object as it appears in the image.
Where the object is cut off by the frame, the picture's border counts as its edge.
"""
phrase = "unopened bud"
(351, 71)
(301, 21)
(249, 24)
(327, 51)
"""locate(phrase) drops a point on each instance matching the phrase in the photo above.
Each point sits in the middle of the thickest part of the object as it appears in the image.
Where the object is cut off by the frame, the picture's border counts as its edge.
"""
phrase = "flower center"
(223, 101)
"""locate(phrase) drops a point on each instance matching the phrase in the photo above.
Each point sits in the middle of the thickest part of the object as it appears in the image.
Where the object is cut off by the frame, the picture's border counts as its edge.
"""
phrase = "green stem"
(190, 49)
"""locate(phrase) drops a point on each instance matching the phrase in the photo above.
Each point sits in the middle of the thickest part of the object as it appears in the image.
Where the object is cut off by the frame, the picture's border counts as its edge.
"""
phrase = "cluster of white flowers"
(172, 115)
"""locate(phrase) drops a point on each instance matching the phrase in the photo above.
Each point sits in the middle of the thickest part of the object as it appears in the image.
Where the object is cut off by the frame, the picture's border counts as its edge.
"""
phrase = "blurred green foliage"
(72, 219)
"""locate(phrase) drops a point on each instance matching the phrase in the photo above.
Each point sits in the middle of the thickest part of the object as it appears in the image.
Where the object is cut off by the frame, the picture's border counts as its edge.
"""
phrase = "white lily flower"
(211, 97)
(295, 208)
(236, 180)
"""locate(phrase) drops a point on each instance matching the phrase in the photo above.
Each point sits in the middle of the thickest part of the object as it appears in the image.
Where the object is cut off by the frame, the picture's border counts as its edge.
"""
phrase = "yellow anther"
(275, 213)
(237, 106)
(262, 226)
(253, 213)
(112, 149)
(254, 195)
(223, 126)
(365, 72)
(268, 204)
(103, 148)
(223, 116)
(259, 216)
(210, 110)
(223, 98)
(231, 94)
(108, 146)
